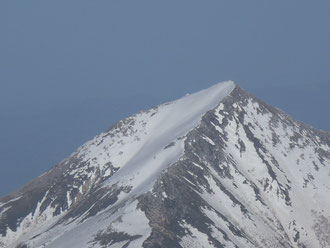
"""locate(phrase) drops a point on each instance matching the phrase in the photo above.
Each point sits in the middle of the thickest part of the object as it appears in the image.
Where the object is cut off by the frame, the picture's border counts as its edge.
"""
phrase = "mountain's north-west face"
(218, 168)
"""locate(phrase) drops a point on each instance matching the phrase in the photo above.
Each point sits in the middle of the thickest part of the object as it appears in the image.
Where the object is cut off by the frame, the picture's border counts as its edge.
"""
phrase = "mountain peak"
(152, 140)
(217, 168)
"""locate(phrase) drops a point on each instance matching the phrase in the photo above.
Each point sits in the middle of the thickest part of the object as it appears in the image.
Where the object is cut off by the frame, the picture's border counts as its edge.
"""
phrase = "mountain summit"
(218, 168)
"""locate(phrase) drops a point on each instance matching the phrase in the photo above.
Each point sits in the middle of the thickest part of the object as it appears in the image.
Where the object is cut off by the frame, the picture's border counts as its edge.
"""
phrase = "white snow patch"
(208, 140)
(194, 238)
(164, 194)
(197, 165)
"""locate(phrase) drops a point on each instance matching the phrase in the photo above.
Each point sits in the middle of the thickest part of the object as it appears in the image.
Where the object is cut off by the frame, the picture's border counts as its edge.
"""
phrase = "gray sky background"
(70, 69)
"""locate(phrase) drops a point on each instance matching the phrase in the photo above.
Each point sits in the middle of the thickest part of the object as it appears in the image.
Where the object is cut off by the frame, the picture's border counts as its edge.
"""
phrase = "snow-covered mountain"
(218, 168)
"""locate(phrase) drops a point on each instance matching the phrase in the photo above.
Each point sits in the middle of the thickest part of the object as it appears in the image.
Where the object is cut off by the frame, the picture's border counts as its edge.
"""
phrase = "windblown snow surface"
(217, 168)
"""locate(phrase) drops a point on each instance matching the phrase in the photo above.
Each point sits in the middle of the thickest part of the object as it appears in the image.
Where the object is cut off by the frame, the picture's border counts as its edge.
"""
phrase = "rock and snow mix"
(215, 168)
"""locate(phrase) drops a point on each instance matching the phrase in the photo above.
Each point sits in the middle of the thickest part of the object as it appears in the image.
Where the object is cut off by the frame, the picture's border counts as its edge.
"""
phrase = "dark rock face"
(107, 238)
(249, 176)
(185, 204)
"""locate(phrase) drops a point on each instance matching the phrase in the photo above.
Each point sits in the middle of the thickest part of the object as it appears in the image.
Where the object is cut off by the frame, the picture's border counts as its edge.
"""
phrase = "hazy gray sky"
(70, 69)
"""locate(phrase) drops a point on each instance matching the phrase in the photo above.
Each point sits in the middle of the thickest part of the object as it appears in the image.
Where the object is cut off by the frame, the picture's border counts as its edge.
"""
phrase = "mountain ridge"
(219, 154)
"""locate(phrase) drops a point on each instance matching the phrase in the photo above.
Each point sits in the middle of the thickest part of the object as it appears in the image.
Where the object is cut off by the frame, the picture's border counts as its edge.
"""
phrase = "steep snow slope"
(141, 156)
(217, 168)
(134, 149)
